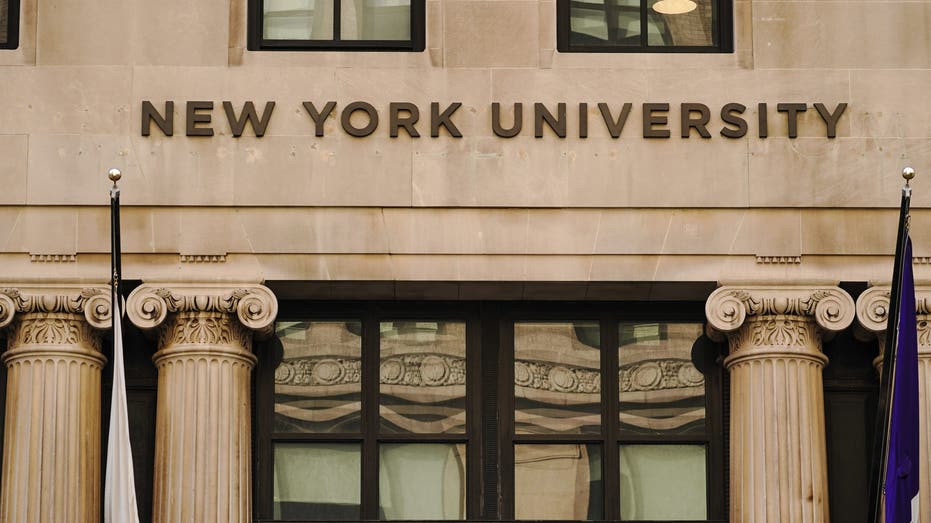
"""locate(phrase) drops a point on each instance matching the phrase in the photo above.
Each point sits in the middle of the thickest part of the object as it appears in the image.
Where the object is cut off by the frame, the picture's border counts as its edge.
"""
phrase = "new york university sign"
(360, 119)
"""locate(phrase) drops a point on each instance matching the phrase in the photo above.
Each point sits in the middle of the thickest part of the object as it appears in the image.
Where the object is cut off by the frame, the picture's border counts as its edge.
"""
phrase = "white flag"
(119, 498)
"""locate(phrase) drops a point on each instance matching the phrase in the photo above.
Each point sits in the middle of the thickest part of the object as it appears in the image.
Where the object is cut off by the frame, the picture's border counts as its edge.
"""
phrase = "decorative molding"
(873, 313)
(728, 308)
(557, 378)
(791, 335)
(779, 260)
(921, 260)
(204, 328)
(91, 302)
(203, 258)
(660, 374)
(422, 370)
(254, 305)
(52, 258)
(319, 371)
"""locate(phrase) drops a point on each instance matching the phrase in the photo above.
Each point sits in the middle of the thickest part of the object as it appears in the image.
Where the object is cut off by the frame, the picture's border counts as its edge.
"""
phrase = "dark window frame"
(489, 432)
(257, 42)
(12, 26)
(722, 32)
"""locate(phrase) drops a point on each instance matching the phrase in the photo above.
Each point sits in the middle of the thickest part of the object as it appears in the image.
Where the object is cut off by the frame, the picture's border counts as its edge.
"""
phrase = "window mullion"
(644, 26)
(370, 425)
(337, 7)
(610, 425)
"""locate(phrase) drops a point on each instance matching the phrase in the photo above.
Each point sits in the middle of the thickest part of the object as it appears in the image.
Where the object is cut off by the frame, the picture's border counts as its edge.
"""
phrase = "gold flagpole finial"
(908, 173)
(114, 175)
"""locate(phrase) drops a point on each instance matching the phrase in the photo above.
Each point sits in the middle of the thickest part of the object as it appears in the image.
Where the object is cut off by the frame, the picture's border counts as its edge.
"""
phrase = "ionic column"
(203, 460)
(872, 314)
(51, 446)
(778, 468)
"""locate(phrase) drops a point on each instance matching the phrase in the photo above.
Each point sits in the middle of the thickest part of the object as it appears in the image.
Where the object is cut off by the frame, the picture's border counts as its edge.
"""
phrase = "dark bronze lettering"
(764, 124)
(831, 119)
(496, 120)
(444, 119)
(165, 123)
(583, 120)
(729, 116)
(557, 124)
(395, 121)
(194, 118)
(248, 114)
(319, 117)
(346, 119)
(792, 111)
(687, 123)
(649, 120)
(614, 126)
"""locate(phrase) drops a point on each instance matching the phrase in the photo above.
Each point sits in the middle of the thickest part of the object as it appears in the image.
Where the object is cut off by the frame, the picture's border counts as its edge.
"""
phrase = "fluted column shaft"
(778, 469)
(203, 453)
(872, 313)
(51, 447)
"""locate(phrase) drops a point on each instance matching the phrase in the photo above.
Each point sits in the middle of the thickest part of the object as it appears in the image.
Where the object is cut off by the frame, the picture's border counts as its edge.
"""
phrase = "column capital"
(91, 301)
(729, 307)
(255, 306)
(873, 314)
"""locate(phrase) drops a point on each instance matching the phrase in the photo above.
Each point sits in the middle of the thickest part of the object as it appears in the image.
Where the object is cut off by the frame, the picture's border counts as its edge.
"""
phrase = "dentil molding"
(254, 305)
(728, 308)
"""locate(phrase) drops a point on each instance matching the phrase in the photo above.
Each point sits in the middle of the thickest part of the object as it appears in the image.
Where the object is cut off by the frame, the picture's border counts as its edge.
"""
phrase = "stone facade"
(775, 223)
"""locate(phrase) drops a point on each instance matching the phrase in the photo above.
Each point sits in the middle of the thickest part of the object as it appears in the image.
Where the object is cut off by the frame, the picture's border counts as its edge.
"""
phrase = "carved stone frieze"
(873, 313)
(204, 328)
(254, 305)
(661, 374)
(412, 370)
(53, 329)
(91, 302)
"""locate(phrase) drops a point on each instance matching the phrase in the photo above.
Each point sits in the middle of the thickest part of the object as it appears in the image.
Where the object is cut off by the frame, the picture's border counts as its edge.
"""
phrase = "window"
(437, 411)
(644, 26)
(9, 24)
(332, 25)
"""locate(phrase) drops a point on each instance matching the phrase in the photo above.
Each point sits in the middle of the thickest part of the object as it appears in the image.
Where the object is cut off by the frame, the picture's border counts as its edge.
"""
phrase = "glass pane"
(661, 391)
(298, 20)
(604, 22)
(423, 377)
(680, 22)
(557, 378)
(318, 386)
(317, 481)
(425, 481)
(663, 482)
(375, 19)
(558, 482)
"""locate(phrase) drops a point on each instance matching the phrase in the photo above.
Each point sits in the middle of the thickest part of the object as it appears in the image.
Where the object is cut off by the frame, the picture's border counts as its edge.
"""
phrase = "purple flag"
(901, 485)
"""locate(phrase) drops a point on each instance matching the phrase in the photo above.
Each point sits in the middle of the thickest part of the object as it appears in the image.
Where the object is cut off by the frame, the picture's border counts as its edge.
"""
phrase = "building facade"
(458, 259)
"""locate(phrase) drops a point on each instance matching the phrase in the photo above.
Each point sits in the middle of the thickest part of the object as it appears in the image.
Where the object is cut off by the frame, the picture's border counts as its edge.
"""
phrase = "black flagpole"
(116, 269)
(884, 406)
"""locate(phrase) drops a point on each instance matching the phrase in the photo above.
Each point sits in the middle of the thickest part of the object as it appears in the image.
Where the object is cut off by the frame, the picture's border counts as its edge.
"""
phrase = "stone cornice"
(254, 305)
(91, 301)
(728, 307)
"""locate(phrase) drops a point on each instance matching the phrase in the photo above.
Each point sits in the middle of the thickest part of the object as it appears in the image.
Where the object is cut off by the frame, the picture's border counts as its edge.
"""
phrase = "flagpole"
(883, 409)
(116, 269)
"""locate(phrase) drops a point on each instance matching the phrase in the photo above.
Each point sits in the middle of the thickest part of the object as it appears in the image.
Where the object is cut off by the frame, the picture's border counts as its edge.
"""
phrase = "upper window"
(644, 26)
(9, 24)
(333, 25)
(470, 412)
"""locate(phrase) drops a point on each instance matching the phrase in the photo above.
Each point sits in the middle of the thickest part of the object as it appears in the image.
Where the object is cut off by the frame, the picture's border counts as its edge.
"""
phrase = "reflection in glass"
(560, 481)
(618, 23)
(298, 20)
(663, 482)
(317, 481)
(423, 377)
(557, 378)
(661, 391)
(423, 481)
(318, 386)
(375, 19)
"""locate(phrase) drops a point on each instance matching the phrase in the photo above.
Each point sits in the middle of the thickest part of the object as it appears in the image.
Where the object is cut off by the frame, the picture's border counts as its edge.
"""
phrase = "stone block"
(310, 230)
(14, 150)
(86, 33)
(890, 103)
(499, 33)
(517, 172)
(71, 169)
(831, 35)
(178, 32)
